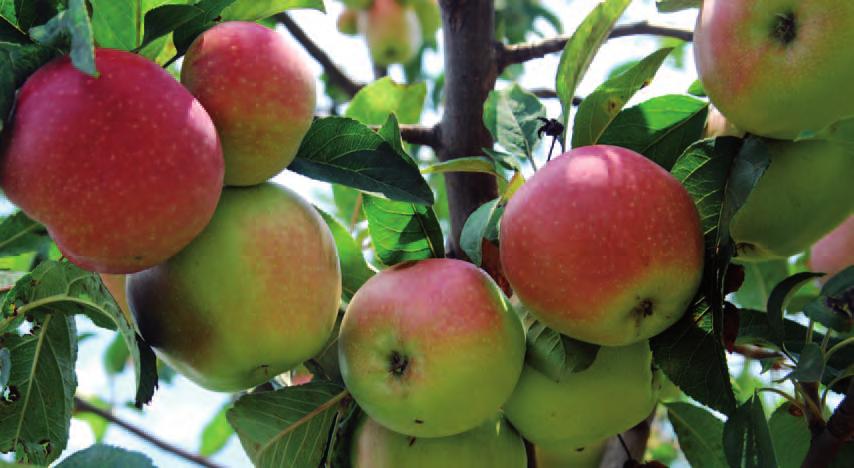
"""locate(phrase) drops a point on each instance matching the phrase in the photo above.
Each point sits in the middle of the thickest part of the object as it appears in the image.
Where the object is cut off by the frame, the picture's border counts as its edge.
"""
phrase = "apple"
(392, 31)
(603, 245)
(348, 22)
(115, 284)
(255, 295)
(718, 126)
(835, 251)
(492, 444)
(775, 68)
(616, 392)
(123, 170)
(357, 4)
(260, 92)
(419, 337)
(562, 455)
(803, 195)
(429, 18)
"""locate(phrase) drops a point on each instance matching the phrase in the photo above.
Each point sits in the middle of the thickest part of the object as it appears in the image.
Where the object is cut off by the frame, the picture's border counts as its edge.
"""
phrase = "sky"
(180, 410)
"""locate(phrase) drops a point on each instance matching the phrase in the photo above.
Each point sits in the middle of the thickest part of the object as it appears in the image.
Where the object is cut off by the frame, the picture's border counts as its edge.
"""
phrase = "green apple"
(835, 251)
(718, 126)
(431, 348)
(603, 245)
(566, 455)
(357, 4)
(616, 392)
(803, 194)
(260, 92)
(116, 286)
(777, 68)
(123, 170)
(392, 31)
(348, 22)
(493, 444)
(255, 295)
(429, 18)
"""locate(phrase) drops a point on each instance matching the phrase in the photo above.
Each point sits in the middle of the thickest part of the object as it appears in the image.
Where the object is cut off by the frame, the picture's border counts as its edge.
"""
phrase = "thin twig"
(419, 135)
(84, 406)
(754, 352)
(520, 53)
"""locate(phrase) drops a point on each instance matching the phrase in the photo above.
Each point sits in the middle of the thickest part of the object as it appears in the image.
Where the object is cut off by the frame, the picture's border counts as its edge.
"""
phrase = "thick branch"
(839, 429)
(336, 76)
(84, 406)
(421, 135)
(519, 53)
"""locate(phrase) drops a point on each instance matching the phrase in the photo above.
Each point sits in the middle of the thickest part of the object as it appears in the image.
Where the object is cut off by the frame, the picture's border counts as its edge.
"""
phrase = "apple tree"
(493, 275)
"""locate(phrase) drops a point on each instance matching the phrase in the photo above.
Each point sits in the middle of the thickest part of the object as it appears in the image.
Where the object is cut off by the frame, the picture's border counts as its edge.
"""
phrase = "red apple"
(835, 251)
(603, 245)
(431, 349)
(124, 170)
(260, 92)
(777, 68)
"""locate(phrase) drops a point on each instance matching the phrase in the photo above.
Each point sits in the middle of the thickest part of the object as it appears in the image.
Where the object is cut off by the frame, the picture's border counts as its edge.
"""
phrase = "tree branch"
(520, 53)
(421, 135)
(335, 74)
(635, 438)
(84, 406)
(839, 430)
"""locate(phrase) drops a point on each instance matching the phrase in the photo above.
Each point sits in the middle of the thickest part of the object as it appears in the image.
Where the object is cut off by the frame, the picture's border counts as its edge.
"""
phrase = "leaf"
(354, 269)
(467, 164)
(254, 10)
(790, 436)
(36, 416)
(692, 357)
(184, 35)
(582, 47)
(216, 433)
(106, 455)
(343, 151)
(700, 434)
(780, 296)
(833, 307)
(511, 116)
(116, 356)
(759, 279)
(287, 427)
(660, 128)
(554, 354)
(669, 6)
(20, 234)
(480, 222)
(96, 422)
(72, 23)
(747, 439)
(165, 19)
(403, 231)
(602, 105)
(17, 63)
(61, 287)
(5, 366)
(116, 23)
(373, 103)
(810, 364)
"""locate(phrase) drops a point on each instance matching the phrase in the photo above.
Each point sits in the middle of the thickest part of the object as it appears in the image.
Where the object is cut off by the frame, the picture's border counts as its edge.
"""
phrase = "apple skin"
(493, 444)
(603, 245)
(835, 251)
(260, 92)
(718, 126)
(766, 85)
(123, 170)
(255, 295)
(418, 337)
(563, 455)
(392, 31)
(115, 284)
(803, 195)
(616, 392)
(348, 22)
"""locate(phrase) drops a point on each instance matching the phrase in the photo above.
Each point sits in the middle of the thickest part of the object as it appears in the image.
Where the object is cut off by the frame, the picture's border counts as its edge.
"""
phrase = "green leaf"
(17, 63)
(466, 164)
(832, 308)
(20, 234)
(116, 356)
(117, 24)
(669, 6)
(403, 231)
(691, 355)
(556, 355)
(696, 89)
(373, 103)
(41, 390)
(747, 439)
(216, 433)
(790, 435)
(810, 366)
(344, 151)
(602, 105)
(5, 366)
(188, 31)
(60, 287)
(72, 23)
(106, 455)
(660, 128)
(511, 116)
(354, 269)
(759, 279)
(287, 427)
(780, 296)
(480, 222)
(582, 47)
(700, 434)
(165, 19)
(96, 422)
(254, 10)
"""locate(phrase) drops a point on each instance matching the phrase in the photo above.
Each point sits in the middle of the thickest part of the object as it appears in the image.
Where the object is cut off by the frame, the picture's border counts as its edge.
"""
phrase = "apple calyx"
(785, 29)
(398, 364)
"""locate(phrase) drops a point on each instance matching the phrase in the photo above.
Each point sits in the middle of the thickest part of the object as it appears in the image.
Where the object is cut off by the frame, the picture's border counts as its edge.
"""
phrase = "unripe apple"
(603, 245)
(493, 444)
(803, 195)
(718, 126)
(777, 68)
(124, 170)
(429, 18)
(392, 31)
(348, 22)
(564, 455)
(253, 296)
(616, 392)
(835, 251)
(416, 340)
(260, 93)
